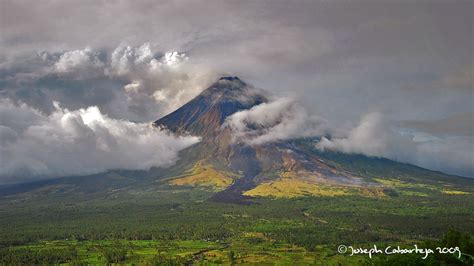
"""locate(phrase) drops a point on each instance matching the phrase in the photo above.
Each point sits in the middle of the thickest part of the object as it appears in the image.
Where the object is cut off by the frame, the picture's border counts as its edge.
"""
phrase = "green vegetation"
(163, 225)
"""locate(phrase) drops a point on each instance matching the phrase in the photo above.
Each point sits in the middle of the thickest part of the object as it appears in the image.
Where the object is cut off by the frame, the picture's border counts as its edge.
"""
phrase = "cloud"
(281, 119)
(449, 154)
(461, 79)
(345, 58)
(79, 142)
(460, 124)
(78, 61)
(374, 136)
(157, 80)
(138, 83)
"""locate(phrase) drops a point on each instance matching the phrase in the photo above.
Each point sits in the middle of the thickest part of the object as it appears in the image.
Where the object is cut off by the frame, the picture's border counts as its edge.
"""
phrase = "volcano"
(289, 168)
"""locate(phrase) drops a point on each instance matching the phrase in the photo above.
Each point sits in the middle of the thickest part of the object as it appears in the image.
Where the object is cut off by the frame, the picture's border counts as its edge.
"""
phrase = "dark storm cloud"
(407, 60)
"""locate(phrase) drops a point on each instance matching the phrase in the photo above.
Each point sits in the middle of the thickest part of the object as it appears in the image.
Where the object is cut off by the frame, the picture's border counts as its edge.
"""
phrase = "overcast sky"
(406, 65)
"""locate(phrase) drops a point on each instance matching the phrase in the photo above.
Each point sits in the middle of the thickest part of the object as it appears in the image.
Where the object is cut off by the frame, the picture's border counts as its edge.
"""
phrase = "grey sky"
(412, 61)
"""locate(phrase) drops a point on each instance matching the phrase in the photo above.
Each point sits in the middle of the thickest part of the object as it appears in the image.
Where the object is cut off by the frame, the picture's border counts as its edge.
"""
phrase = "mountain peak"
(230, 78)
(225, 84)
(205, 114)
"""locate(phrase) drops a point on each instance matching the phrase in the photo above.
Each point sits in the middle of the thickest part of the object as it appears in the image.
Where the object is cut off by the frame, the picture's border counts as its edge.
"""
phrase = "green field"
(164, 225)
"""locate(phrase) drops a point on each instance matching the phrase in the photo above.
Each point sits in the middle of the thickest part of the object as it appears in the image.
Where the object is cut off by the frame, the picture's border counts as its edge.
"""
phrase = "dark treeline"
(25, 256)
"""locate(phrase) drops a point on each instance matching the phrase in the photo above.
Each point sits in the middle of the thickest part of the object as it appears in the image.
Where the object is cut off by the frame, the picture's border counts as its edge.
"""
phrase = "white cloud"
(78, 142)
(281, 119)
(374, 137)
(79, 61)
(158, 83)
(126, 61)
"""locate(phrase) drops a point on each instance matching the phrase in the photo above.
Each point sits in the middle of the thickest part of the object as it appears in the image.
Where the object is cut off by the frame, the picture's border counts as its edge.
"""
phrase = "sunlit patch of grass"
(416, 189)
(454, 192)
(401, 184)
(204, 175)
(371, 192)
(293, 188)
(294, 184)
(413, 193)
(256, 237)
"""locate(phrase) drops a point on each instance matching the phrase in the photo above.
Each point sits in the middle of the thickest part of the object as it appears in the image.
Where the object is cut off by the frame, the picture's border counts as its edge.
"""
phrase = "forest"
(181, 227)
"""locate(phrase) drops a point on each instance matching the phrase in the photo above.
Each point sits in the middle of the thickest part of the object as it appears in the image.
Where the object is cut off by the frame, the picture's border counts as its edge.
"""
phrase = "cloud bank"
(79, 142)
(374, 136)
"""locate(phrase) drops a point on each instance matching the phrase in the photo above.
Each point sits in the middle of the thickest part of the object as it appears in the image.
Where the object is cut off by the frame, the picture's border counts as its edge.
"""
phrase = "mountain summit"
(204, 115)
